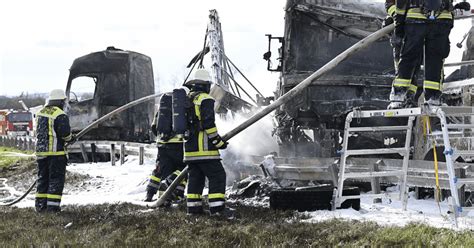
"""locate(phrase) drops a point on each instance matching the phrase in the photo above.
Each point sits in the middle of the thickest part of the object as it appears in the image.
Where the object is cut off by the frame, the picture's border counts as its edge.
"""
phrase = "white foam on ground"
(127, 183)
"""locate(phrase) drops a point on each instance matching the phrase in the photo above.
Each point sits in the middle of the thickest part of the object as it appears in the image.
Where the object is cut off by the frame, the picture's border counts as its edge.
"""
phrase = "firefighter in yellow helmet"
(201, 150)
(52, 133)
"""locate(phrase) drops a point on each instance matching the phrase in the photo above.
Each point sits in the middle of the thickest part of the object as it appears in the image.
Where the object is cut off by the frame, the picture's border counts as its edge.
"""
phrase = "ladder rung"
(457, 110)
(382, 195)
(374, 129)
(402, 151)
(465, 209)
(464, 153)
(373, 174)
(387, 113)
(462, 181)
(460, 126)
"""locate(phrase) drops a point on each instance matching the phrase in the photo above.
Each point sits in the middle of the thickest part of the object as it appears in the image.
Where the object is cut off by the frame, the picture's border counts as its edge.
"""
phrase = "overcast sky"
(40, 39)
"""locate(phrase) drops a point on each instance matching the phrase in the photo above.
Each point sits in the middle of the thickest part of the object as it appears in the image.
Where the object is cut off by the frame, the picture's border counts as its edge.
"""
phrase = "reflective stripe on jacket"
(198, 145)
(52, 130)
(414, 11)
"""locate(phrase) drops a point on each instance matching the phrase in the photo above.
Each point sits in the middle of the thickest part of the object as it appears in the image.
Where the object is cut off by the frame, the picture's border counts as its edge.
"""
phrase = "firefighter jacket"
(202, 129)
(164, 139)
(413, 11)
(52, 131)
(390, 7)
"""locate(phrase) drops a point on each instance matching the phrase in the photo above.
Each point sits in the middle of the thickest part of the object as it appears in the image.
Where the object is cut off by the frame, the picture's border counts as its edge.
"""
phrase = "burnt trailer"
(316, 31)
(103, 81)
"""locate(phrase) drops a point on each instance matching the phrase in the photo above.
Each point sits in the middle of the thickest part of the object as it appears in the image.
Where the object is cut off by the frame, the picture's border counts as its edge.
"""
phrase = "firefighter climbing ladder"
(404, 151)
(448, 130)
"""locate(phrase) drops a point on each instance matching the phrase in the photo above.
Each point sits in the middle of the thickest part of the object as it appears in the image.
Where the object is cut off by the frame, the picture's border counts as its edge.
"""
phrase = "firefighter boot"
(398, 98)
(226, 214)
(432, 98)
(411, 100)
(40, 205)
(149, 196)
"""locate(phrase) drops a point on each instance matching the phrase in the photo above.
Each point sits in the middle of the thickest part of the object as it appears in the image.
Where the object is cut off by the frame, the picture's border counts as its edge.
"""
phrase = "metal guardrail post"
(93, 151)
(141, 154)
(112, 154)
(122, 154)
(84, 153)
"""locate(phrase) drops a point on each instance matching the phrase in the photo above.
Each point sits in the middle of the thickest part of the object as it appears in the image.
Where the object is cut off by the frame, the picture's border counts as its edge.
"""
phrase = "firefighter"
(201, 150)
(396, 41)
(169, 161)
(425, 26)
(53, 132)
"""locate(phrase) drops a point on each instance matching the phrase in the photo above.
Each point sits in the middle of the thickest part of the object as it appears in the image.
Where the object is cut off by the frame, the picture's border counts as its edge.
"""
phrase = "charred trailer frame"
(120, 77)
(315, 32)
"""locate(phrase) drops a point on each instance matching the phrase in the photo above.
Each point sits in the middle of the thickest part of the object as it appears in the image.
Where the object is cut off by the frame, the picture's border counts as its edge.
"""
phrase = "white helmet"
(57, 94)
(200, 76)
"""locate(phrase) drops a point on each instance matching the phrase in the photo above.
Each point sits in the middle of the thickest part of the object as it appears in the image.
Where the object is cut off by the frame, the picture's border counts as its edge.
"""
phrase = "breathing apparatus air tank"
(164, 125)
(180, 100)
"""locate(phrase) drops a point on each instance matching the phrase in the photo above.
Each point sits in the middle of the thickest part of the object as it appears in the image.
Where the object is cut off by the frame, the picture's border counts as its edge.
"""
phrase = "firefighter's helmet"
(57, 94)
(200, 76)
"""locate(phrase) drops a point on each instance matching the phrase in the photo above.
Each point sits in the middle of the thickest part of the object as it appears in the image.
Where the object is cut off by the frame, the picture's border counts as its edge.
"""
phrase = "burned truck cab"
(316, 31)
(101, 82)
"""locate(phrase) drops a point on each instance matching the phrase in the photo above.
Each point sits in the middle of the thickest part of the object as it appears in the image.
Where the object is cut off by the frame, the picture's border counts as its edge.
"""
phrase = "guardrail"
(24, 143)
(90, 148)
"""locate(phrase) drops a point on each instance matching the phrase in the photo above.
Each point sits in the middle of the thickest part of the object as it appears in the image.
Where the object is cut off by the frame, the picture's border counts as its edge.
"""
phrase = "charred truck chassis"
(315, 32)
(120, 77)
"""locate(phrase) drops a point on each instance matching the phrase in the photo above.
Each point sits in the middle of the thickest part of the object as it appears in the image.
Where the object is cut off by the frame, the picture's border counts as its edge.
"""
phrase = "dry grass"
(129, 225)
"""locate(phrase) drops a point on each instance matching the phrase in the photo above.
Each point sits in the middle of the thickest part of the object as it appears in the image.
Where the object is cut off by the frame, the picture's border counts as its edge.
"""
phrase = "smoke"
(246, 150)
(256, 140)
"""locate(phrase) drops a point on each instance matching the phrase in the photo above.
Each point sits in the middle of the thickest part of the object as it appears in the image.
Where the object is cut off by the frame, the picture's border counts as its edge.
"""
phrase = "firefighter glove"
(72, 140)
(164, 137)
(219, 143)
(463, 5)
(387, 21)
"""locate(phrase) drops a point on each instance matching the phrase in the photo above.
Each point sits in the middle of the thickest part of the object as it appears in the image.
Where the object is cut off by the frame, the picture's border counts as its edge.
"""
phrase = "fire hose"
(84, 131)
(286, 97)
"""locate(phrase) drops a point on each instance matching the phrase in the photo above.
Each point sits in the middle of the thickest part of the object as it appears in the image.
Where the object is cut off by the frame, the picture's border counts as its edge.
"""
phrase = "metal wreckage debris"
(317, 33)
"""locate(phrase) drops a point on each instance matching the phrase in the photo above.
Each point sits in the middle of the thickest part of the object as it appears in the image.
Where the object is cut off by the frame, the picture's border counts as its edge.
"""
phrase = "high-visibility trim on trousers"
(431, 85)
(401, 82)
(194, 196)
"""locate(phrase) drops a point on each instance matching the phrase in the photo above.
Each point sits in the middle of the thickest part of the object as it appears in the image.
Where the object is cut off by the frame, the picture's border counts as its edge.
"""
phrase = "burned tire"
(318, 198)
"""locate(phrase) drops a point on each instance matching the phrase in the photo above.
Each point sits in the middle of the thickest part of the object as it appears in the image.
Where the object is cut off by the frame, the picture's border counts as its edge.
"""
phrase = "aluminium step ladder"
(410, 114)
(448, 130)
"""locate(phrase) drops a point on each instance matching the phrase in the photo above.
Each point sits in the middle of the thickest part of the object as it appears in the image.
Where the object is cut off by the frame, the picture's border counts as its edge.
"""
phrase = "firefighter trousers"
(432, 40)
(215, 173)
(50, 183)
(169, 165)
(413, 92)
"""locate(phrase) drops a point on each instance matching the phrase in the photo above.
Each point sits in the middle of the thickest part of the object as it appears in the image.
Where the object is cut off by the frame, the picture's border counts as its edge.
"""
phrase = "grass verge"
(129, 225)
(8, 161)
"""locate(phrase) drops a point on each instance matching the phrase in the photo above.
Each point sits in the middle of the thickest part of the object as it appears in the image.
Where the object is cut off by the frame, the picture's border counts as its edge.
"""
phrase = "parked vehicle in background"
(3, 122)
(18, 123)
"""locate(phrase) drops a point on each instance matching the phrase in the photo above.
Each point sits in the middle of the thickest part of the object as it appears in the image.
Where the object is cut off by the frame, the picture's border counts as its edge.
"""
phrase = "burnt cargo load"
(103, 81)
(316, 31)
